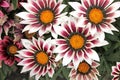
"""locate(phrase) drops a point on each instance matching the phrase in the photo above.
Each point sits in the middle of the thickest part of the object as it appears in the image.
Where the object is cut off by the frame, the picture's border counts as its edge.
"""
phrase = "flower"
(37, 57)
(116, 71)
(98, 14)
(42, 16)
(5, 25)
(84, 71)
(8, 49)
(4, 3)
(76, 43)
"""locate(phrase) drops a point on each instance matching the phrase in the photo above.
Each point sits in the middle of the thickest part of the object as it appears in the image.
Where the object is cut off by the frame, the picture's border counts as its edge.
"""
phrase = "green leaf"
(15, 3)
(114, 56)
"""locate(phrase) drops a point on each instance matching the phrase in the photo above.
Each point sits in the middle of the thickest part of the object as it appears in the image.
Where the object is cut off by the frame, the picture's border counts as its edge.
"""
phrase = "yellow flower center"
(84, 67)
(12, 49)
(96, 15)
(29, 35)
(76, 41)
(46, 16)
(42, 58)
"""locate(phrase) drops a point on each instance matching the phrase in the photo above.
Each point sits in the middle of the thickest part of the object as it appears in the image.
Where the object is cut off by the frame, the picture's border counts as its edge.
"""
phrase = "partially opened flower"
(76, 43)
(8, 49)
(42, 15)
(37, 58)
(98, 14)
(116, 71)
(84, 71)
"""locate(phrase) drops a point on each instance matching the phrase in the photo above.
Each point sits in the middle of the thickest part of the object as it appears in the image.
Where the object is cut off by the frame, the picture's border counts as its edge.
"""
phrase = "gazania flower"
(37, 58)
(8, 49)
(98, 14)
(84, 71)
(116, 71)
(42, 16)
(76, 43)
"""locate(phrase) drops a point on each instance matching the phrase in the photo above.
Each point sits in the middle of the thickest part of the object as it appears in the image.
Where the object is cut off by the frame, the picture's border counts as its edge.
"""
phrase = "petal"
(26, 61)
(75, 5)
(28, 67)
(61, 7)
(34, 71)
(50, 72)
(26, 53)
(68, 57)
(27, 44)
(92, 54)
(4, 4)
(29, 8)
(26, 15)
(113, 7)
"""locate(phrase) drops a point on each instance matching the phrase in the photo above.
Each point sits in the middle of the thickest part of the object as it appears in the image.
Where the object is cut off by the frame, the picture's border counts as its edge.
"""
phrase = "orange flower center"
(76, 41)
(84, 67)
(46, 16)
(29, 35)
(96, 15)
(42, 58)
(12, 49)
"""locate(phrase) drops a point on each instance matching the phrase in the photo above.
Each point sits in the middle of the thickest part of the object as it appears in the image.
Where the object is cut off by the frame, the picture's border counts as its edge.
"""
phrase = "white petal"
(67, 59)
(27, 43)
(102, 43)
(33, 71)
(61, 7)
(74, 13)
(59, 56)
(51, 72)
(26, 68)
(93, 55)
(24, 15)
(75, 5)
(114, 6)
(26, 28)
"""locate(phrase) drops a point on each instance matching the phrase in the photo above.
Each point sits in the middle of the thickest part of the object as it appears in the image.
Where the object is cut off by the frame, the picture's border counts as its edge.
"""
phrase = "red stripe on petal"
(73, 26)
(80, 30)
(109, 9)
(61, 41)
(52, 5)
(41, 4)
(67, 28)
(82, 8)
(86, 3)
(86, 31)
(110, 14)
(35, 5)
(106, 3)
(56, 7)
(64, 34)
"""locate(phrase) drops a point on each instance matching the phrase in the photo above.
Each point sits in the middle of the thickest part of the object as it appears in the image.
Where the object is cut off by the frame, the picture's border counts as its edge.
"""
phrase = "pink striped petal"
(28, 67)
(26, 53)
(68, 57)
(34, 71)
(92, 54)
(26, 61)
(50, 72)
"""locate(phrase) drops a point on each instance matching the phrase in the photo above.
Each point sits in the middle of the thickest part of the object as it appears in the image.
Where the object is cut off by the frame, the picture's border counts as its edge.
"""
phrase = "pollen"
(12, 49)
(76, 41)
(29, 35)
(42, 58)
(46, 16)
(84, 67)
(96, 15)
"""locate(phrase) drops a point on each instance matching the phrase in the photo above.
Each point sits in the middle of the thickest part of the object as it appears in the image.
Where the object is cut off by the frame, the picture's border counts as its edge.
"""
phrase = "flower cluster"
(44, 35)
